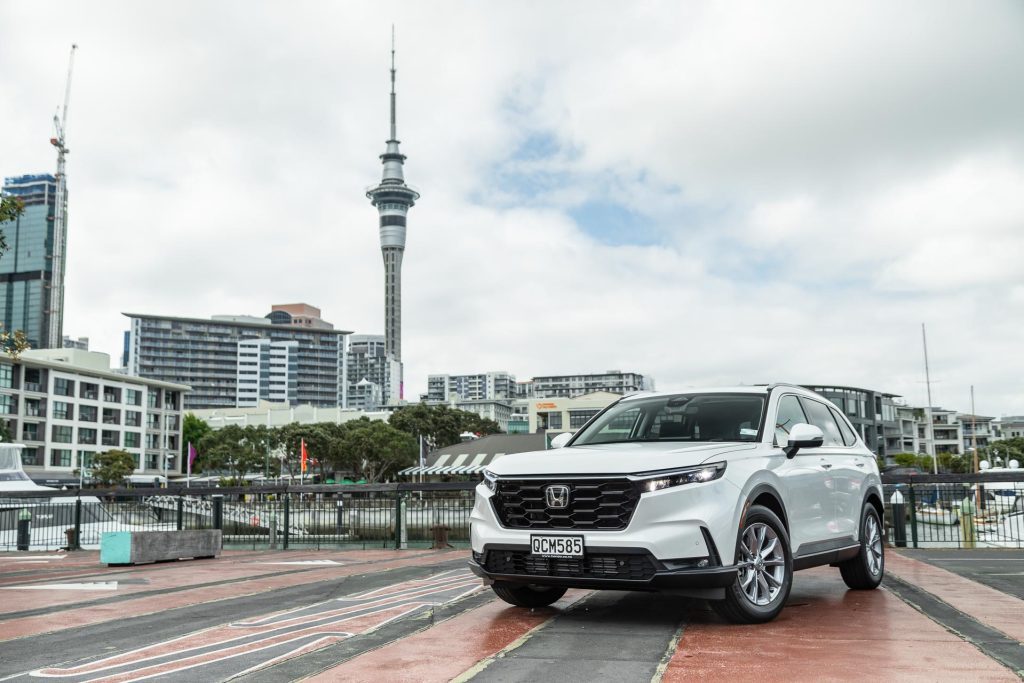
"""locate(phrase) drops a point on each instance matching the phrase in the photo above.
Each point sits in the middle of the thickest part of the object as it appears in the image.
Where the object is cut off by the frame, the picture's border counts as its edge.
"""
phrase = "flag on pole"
(192, 454)
(305, 456)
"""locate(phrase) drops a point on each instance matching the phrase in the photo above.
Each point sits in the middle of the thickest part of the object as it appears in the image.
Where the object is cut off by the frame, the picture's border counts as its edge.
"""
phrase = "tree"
(193, 429)
(439, 424)
(1002, 452)
(10, 208)
(228, 450)
(111, 467)
(14, 343)
(377, 449)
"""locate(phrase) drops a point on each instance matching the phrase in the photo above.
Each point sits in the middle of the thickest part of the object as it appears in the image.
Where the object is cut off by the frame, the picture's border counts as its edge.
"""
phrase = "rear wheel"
(765, 570)
(865, 571)
(527, 594)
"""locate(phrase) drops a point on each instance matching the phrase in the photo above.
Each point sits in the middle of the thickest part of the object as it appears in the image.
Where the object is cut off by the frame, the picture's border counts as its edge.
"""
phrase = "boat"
(937, 515)
(51, 515)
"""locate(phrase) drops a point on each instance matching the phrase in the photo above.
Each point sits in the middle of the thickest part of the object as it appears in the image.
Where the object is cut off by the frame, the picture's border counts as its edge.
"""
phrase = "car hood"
(617, 458)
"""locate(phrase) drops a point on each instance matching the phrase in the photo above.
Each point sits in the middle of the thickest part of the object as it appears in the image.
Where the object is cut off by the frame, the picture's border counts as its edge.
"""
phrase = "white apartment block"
(485, 386)
(945, 432)
(267, 371)
(66, 405)
(571, 386)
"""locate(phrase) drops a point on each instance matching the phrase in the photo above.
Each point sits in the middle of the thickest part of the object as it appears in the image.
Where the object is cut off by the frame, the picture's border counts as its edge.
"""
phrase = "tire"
(761, 587)
(527, 594)
(865, 571)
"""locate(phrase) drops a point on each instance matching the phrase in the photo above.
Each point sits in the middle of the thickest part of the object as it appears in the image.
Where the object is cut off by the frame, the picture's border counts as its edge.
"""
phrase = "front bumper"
(654, 575)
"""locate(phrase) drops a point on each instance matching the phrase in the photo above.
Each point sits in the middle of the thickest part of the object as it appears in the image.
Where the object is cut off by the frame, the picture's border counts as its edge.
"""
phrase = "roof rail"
(786, 384)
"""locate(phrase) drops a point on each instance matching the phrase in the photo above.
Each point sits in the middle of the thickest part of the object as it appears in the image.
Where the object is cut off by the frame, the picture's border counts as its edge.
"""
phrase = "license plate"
(556, 546)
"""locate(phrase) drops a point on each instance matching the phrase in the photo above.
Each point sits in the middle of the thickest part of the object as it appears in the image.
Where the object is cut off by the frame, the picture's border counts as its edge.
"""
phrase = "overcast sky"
(708, 193)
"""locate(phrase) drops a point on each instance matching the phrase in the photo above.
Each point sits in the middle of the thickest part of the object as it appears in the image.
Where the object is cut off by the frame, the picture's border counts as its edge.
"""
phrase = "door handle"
(860, 464)
(826, 466)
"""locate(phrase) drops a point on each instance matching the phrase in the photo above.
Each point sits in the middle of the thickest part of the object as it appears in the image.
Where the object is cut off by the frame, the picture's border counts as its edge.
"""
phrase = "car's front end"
(643, 530)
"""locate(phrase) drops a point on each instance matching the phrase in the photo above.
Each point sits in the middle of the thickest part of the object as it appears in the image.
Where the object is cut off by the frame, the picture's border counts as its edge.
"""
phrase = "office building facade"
(236, 361)
(66, 405)
(872, 413)
(373, 375)
(27, 270)
(487, 386)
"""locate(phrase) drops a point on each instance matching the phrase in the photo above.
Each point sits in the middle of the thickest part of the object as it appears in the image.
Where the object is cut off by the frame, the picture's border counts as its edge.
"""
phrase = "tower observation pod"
(393, 199)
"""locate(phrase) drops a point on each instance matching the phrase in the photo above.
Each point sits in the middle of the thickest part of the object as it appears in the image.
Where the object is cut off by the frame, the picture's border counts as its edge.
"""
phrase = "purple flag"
(191, 455)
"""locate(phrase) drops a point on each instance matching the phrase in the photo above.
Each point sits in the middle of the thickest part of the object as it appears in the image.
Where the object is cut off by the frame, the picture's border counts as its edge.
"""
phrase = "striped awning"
(454, 463)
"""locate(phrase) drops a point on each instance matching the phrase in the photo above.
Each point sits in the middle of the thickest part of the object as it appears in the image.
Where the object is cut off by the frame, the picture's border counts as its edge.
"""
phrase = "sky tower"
(393, 198)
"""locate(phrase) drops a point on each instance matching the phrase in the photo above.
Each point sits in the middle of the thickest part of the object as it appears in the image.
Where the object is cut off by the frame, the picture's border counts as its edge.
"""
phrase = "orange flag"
(305, 455)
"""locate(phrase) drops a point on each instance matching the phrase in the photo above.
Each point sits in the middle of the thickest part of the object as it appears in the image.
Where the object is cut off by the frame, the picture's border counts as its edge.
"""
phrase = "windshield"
(686, 417)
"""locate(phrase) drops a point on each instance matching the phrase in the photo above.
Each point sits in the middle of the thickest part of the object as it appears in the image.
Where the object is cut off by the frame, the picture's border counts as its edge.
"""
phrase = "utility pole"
(55, 322)
(974, 431)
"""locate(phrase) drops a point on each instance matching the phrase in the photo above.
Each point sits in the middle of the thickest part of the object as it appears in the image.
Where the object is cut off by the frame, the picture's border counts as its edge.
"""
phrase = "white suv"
(719, 494)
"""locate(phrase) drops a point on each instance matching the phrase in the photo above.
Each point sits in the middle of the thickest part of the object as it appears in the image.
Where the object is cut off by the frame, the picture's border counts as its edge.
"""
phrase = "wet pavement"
(421, 616)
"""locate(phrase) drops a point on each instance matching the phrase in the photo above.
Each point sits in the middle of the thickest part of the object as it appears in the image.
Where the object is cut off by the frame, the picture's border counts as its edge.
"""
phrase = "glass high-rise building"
(26, 270)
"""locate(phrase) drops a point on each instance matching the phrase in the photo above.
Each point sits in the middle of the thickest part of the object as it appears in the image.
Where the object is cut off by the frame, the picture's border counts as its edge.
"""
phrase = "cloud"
(709, 193)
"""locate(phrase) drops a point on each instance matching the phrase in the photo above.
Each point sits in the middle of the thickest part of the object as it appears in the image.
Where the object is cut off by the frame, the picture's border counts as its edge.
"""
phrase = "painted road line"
(93, 586)
(34, 558)
(302, 562)
(429, 655)
(242, 647)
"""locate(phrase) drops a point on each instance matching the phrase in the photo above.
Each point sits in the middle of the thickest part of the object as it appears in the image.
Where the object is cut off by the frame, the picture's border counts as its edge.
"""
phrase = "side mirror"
(803, 436)
(560, 440)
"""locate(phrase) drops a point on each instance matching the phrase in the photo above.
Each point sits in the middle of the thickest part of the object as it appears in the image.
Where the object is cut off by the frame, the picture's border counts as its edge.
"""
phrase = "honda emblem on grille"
(557, 496)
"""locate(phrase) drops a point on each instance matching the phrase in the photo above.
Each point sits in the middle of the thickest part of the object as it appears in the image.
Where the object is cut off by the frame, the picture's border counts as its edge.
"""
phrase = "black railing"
(955, 510)
(400, 515)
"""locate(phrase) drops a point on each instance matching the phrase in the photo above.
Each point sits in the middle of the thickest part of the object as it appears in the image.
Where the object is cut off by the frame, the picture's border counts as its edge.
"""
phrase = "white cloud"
(822, 178)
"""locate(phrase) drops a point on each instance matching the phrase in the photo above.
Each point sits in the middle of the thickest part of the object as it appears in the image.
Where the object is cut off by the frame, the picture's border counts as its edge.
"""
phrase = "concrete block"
(138, 547)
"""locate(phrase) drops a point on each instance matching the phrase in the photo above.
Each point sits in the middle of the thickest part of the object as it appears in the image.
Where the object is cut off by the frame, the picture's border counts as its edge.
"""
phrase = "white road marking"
(93, 586)
(34, 558)
(305, 562)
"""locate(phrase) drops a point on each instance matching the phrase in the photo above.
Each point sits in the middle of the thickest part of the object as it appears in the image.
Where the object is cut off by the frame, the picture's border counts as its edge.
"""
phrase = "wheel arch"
(766, 496)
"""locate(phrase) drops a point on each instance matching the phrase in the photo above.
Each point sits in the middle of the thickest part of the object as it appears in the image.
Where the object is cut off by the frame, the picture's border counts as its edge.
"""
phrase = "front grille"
(603, 504)
(636, 567)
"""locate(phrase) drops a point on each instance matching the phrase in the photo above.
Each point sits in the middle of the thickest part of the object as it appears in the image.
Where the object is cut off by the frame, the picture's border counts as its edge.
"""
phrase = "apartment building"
(66, 405)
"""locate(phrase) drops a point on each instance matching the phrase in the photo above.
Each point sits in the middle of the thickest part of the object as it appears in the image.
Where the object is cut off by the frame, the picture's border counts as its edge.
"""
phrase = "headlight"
(491, 480)
(691, 475)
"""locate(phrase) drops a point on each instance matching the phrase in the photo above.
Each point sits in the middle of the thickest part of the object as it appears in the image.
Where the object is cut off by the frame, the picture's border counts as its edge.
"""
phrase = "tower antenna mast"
(55, 324)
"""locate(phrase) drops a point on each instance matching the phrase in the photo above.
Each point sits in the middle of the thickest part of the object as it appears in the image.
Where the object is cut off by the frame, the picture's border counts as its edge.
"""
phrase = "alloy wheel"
(762, 564)
(873, 545)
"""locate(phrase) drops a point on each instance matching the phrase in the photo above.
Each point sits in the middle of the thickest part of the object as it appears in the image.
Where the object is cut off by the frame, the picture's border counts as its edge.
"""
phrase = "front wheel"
(765, 570)
(865, 571)
(527, 594)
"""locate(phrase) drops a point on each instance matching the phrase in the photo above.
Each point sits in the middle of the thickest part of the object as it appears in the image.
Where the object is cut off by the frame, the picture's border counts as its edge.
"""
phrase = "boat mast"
(974, 431)
(930, 433)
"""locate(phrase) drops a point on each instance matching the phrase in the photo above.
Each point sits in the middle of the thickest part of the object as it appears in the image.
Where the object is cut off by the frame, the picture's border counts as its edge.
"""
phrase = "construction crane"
(55, 324)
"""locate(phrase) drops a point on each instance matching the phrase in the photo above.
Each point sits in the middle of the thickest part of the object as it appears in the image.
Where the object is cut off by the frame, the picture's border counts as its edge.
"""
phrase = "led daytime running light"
(696, 475)
(490, 481)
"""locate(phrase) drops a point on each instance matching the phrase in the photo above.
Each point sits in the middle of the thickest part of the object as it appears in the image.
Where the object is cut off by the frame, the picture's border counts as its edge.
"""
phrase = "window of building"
(85, 459)
(132, 418)
(6, 376)
(132, 439)
(152, 461)
(30, 456)
(60, 457)
(87, 413)
(33, 379)
(133, 397)
(578, 418)
(61, 434)
(30, 431)
(111, 438)
(35, 407)
(111, 416)
(171, 400)
(172, 442)
(551, 420)
(8, 404)
(63, 387)
(152, 441)
(89, 390)
(111, 394)
(86, 435)
(153, 398)
(63, 410)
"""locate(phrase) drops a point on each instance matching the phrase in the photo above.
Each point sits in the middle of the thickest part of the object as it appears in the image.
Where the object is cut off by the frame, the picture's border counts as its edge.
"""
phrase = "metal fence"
(361, 516)
(955, 510)
(930, 511)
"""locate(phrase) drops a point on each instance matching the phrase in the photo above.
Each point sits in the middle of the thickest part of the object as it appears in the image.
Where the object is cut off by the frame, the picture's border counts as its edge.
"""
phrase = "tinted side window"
(789, 414)
(822, 419)
(849, 438)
